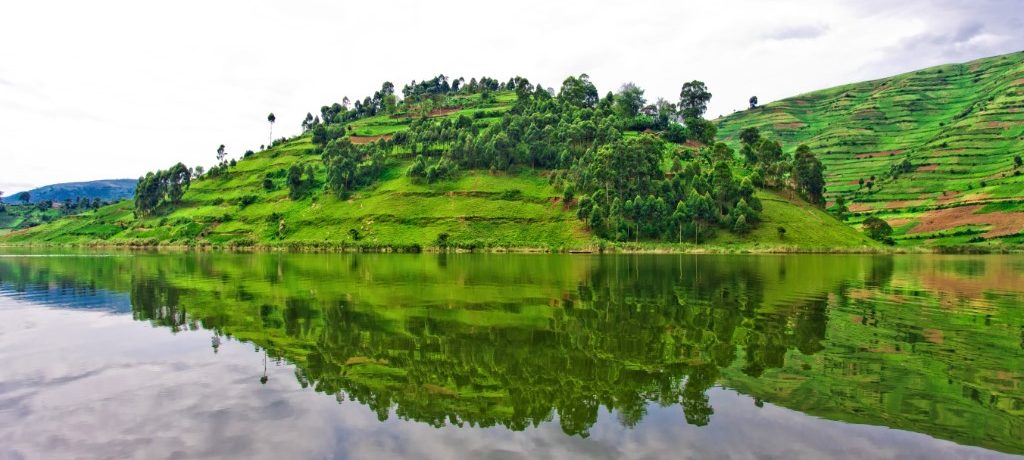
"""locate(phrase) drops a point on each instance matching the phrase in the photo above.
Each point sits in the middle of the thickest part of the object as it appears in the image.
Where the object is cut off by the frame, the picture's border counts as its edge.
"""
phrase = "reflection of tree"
(621, 334)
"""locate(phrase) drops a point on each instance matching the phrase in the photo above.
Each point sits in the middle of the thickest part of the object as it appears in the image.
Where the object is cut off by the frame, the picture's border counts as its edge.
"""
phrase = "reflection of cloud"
(146, 393)
(797, 32)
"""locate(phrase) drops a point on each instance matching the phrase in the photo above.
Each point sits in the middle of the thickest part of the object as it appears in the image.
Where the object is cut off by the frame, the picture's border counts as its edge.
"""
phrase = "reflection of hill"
(40, 288)
(514, 340)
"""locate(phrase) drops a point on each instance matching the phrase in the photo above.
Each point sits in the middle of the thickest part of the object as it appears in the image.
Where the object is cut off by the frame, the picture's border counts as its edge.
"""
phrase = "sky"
(112, 89)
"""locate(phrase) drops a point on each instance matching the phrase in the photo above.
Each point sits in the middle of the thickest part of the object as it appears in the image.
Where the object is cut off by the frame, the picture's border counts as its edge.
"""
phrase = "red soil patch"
(1018, 82)
(854, 182)
(928, 168)
(693, 144)
(879, 154)
(860, 207)
(933, 335)
(998, 124)
(947, 197)
(1001, 223)
(360, 140)
(894, 223)
(792, 125)
(897, 204)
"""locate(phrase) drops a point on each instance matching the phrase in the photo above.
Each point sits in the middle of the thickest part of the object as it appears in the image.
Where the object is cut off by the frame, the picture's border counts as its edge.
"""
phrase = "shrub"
(246, 200)
(877, 229)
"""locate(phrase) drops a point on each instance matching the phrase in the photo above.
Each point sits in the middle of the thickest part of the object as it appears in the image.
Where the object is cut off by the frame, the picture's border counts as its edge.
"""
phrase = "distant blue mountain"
(107, 190)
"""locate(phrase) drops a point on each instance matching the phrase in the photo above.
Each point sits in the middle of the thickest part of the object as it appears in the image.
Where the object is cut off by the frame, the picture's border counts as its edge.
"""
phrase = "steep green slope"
(959, 126)
(477, 209)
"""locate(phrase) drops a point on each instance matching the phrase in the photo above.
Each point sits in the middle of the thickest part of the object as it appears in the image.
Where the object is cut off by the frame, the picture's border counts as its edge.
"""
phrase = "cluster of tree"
(772, 167)
(623, 191)
(626, 195)
(382, 101)
(300, 180)
(351, 166)
(161, 188)
(442, 85)
(432, 171)
(81, 204)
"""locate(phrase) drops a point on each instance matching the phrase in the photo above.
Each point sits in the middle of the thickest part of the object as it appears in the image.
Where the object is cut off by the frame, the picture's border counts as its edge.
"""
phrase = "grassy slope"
(481, 210)
(960, 125)
(13, 217)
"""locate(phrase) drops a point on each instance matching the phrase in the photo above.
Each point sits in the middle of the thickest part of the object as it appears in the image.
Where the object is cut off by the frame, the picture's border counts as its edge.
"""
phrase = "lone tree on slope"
(271, 118)
(753, 102)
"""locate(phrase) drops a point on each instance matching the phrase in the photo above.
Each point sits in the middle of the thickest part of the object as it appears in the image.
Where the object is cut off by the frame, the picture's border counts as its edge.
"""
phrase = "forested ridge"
(447, 163)
(629, 169)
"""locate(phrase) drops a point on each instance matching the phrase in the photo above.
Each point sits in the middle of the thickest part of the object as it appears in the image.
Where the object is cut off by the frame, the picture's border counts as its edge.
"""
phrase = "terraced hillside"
(478, 210)
(959, 127)
(248, 204)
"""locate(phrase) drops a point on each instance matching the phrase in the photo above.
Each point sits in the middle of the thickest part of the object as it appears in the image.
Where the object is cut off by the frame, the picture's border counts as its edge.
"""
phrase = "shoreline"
(606, 248)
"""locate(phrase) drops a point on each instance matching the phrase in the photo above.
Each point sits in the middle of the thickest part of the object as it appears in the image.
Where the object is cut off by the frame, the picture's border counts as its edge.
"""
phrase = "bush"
(246, 200)
(675, 133)
(877, 229)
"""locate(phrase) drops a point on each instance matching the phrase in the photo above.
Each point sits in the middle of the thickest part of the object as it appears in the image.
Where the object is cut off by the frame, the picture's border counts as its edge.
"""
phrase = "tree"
(809, 174)
(221, 154)
(693, 99)
(750, 136)
(24, 197)
(781, 231)
(630, 100)
(1017, 161)
(295, 186)
(877, 229)
(701, 130)
(271, 118)
(753, 102)
(840, 209)
(578, 91)
(741, 226)
(307, 123)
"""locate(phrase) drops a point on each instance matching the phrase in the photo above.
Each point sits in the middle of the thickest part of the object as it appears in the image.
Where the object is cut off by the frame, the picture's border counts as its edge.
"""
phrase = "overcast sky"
(111, 89)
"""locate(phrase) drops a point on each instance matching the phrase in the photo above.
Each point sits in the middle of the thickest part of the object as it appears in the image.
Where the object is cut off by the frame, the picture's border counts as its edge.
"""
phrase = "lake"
(451, 356)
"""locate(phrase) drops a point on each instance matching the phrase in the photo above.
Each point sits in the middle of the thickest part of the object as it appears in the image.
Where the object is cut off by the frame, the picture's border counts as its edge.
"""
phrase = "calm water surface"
(115, 355)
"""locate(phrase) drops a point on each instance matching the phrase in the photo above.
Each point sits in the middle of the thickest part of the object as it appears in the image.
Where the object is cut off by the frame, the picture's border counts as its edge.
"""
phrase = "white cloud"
(92, 90)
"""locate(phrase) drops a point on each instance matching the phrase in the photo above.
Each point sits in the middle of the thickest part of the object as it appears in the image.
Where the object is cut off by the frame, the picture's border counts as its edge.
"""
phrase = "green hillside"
(937, 146)
(520, 203)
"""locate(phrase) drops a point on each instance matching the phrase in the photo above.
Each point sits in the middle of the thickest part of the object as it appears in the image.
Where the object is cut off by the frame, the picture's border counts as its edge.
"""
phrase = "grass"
(477, 210)
(959, 125)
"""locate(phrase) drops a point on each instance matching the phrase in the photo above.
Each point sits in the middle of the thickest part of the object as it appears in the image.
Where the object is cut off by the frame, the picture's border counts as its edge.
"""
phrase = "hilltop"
(935, 153)
(106, 190)
(478, 165)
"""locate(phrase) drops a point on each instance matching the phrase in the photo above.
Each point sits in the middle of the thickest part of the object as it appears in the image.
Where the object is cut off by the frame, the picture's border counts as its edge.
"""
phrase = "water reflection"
(926, 344)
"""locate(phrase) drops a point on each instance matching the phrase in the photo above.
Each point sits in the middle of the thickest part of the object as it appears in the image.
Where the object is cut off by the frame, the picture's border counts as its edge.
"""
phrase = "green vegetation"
(933, 152)
(16, 217)
(929, 344)
(477, 165)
